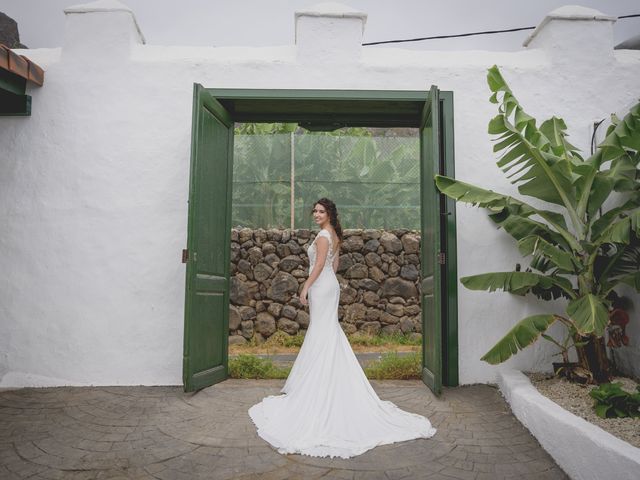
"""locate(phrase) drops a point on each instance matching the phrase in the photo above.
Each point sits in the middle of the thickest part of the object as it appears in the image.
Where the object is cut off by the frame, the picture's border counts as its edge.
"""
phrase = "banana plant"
(580, 239)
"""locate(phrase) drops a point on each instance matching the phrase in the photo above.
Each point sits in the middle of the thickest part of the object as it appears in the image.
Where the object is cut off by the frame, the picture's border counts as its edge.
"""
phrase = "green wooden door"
(431, 201)
(206, 317)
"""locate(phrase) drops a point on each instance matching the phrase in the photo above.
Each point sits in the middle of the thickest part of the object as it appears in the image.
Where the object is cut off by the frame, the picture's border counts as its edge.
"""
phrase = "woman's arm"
(336, 260)
(322, 250)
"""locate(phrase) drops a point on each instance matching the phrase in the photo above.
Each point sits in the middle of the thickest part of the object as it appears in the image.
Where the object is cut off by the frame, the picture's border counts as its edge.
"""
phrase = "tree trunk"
(593, 357)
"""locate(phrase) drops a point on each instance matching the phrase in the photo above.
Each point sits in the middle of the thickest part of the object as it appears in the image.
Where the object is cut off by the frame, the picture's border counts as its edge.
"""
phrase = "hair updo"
(331, 209)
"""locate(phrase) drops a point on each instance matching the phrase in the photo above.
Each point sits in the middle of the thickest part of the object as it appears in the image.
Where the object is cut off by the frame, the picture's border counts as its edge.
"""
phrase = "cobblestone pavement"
(163, 433)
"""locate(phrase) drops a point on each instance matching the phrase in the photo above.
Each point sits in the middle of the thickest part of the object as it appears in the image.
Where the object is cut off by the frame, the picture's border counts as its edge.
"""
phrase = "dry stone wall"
(379, 276)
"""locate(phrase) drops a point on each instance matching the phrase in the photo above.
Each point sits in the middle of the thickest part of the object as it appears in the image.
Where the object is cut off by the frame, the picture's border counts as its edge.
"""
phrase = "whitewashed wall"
(93, 186)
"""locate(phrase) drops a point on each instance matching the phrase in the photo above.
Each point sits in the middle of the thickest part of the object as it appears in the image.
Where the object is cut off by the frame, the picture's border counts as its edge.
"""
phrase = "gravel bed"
(575, 398)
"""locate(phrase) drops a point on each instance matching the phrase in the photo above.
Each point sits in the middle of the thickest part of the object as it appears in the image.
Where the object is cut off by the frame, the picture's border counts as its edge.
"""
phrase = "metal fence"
(374, 180)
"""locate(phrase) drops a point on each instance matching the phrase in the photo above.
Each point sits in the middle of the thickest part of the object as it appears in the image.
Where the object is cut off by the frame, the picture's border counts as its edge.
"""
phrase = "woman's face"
(320, 215)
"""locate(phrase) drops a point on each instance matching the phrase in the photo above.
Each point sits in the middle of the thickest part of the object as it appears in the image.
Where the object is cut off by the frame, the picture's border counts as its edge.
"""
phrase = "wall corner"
(104, 29)
(329, 33)
(574, 33)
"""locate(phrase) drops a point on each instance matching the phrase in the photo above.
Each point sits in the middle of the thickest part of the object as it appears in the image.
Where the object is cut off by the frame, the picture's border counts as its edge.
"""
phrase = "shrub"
(252, 367)
(611, 401)
(282, 339)
(383, 339)
(391, 366)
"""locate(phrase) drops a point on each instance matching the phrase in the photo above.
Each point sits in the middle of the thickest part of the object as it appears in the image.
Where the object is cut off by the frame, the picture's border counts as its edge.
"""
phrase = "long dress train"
(328, 407)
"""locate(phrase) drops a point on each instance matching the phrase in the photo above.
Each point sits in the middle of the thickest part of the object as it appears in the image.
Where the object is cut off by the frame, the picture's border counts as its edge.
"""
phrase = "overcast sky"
(270, 22)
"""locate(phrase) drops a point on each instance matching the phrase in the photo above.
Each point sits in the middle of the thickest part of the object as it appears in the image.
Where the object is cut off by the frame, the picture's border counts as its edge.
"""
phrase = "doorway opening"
(373, 175)
(428, 116)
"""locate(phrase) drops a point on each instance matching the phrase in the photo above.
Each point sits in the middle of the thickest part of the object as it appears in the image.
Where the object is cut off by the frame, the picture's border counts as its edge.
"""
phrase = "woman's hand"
(303, 295)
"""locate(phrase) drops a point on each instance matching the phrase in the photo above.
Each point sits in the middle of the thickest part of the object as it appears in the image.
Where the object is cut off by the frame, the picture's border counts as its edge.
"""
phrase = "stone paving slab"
(164, 433)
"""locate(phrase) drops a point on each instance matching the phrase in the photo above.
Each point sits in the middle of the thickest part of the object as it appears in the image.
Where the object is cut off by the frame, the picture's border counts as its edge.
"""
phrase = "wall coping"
(569, 13)
(105, 6)
(332, 10)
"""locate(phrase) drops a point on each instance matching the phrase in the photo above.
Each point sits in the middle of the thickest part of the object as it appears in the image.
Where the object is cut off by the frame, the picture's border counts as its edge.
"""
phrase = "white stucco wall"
(94, 185)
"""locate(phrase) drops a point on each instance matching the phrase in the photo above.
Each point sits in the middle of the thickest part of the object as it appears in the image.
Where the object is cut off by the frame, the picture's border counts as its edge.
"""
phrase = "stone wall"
(379, 275)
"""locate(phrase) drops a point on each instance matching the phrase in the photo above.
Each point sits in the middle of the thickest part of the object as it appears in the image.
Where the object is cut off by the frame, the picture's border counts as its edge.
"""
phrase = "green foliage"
(523, 334)
(579, 250)
(383, 339)
(282, 339)
(589, 314)
(519, 283)
(392, 366)
(252, 367)
(264, 128)
(374, 180)
(612, 401)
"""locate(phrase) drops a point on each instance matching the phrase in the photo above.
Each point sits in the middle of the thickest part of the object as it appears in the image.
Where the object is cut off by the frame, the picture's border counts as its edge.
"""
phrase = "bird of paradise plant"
(583, 249)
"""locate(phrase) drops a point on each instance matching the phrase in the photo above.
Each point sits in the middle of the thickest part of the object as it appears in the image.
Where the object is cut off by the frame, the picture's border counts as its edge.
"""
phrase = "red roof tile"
(21, 66)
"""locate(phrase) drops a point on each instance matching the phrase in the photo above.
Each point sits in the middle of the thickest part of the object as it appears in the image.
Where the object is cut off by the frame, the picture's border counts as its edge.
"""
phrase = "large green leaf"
(521, 226)
(523, 334)
(601, 189)
(622, 266)
(624, 172)
(555, 130)
(529, 156)
(631, 279)
(589, 315)
(510, 213)
(518, 283)
(476, 196)
(620, 231)
(536, 246)
(506, 281)
(623, 136)
(621, 147)
(601, 224)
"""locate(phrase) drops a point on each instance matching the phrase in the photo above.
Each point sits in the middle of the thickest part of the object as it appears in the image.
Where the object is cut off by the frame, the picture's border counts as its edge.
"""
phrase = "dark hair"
(333, 215)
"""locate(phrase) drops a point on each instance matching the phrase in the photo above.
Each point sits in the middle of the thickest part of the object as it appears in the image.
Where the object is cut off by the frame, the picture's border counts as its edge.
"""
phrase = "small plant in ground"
(252, 367)
(383, 339)
(392, 366)
(611, 401)
(282, 339)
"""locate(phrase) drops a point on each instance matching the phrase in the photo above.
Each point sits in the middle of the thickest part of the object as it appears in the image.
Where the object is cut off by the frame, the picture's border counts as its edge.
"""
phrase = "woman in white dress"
(328, 407)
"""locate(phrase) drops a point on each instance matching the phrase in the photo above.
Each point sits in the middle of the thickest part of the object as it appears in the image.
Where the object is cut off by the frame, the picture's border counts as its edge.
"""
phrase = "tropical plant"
(261, 176)
(580, 248)
(373, 179)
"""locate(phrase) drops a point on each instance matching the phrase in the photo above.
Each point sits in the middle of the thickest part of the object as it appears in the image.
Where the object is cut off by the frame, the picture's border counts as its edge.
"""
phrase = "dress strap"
(325, 233)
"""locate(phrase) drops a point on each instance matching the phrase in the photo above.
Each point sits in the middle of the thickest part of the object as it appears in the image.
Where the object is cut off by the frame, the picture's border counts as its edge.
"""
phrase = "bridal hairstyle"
(331, 209)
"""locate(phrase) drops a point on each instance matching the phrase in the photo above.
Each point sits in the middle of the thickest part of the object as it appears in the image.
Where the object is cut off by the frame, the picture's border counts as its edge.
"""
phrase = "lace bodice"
(312, 251)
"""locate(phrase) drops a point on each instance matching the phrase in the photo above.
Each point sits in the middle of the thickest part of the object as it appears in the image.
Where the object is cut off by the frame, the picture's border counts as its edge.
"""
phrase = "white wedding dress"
(329, 407)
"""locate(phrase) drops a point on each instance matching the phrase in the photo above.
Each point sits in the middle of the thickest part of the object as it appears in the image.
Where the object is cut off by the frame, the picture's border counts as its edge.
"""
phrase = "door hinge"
(442, 258)
(185, 255)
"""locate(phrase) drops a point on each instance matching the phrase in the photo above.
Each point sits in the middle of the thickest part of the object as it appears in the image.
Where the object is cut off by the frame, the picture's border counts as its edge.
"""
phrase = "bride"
(328, 407)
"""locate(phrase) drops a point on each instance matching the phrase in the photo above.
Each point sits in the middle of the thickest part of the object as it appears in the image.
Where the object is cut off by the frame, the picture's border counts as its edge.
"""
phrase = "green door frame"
(373, 108)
